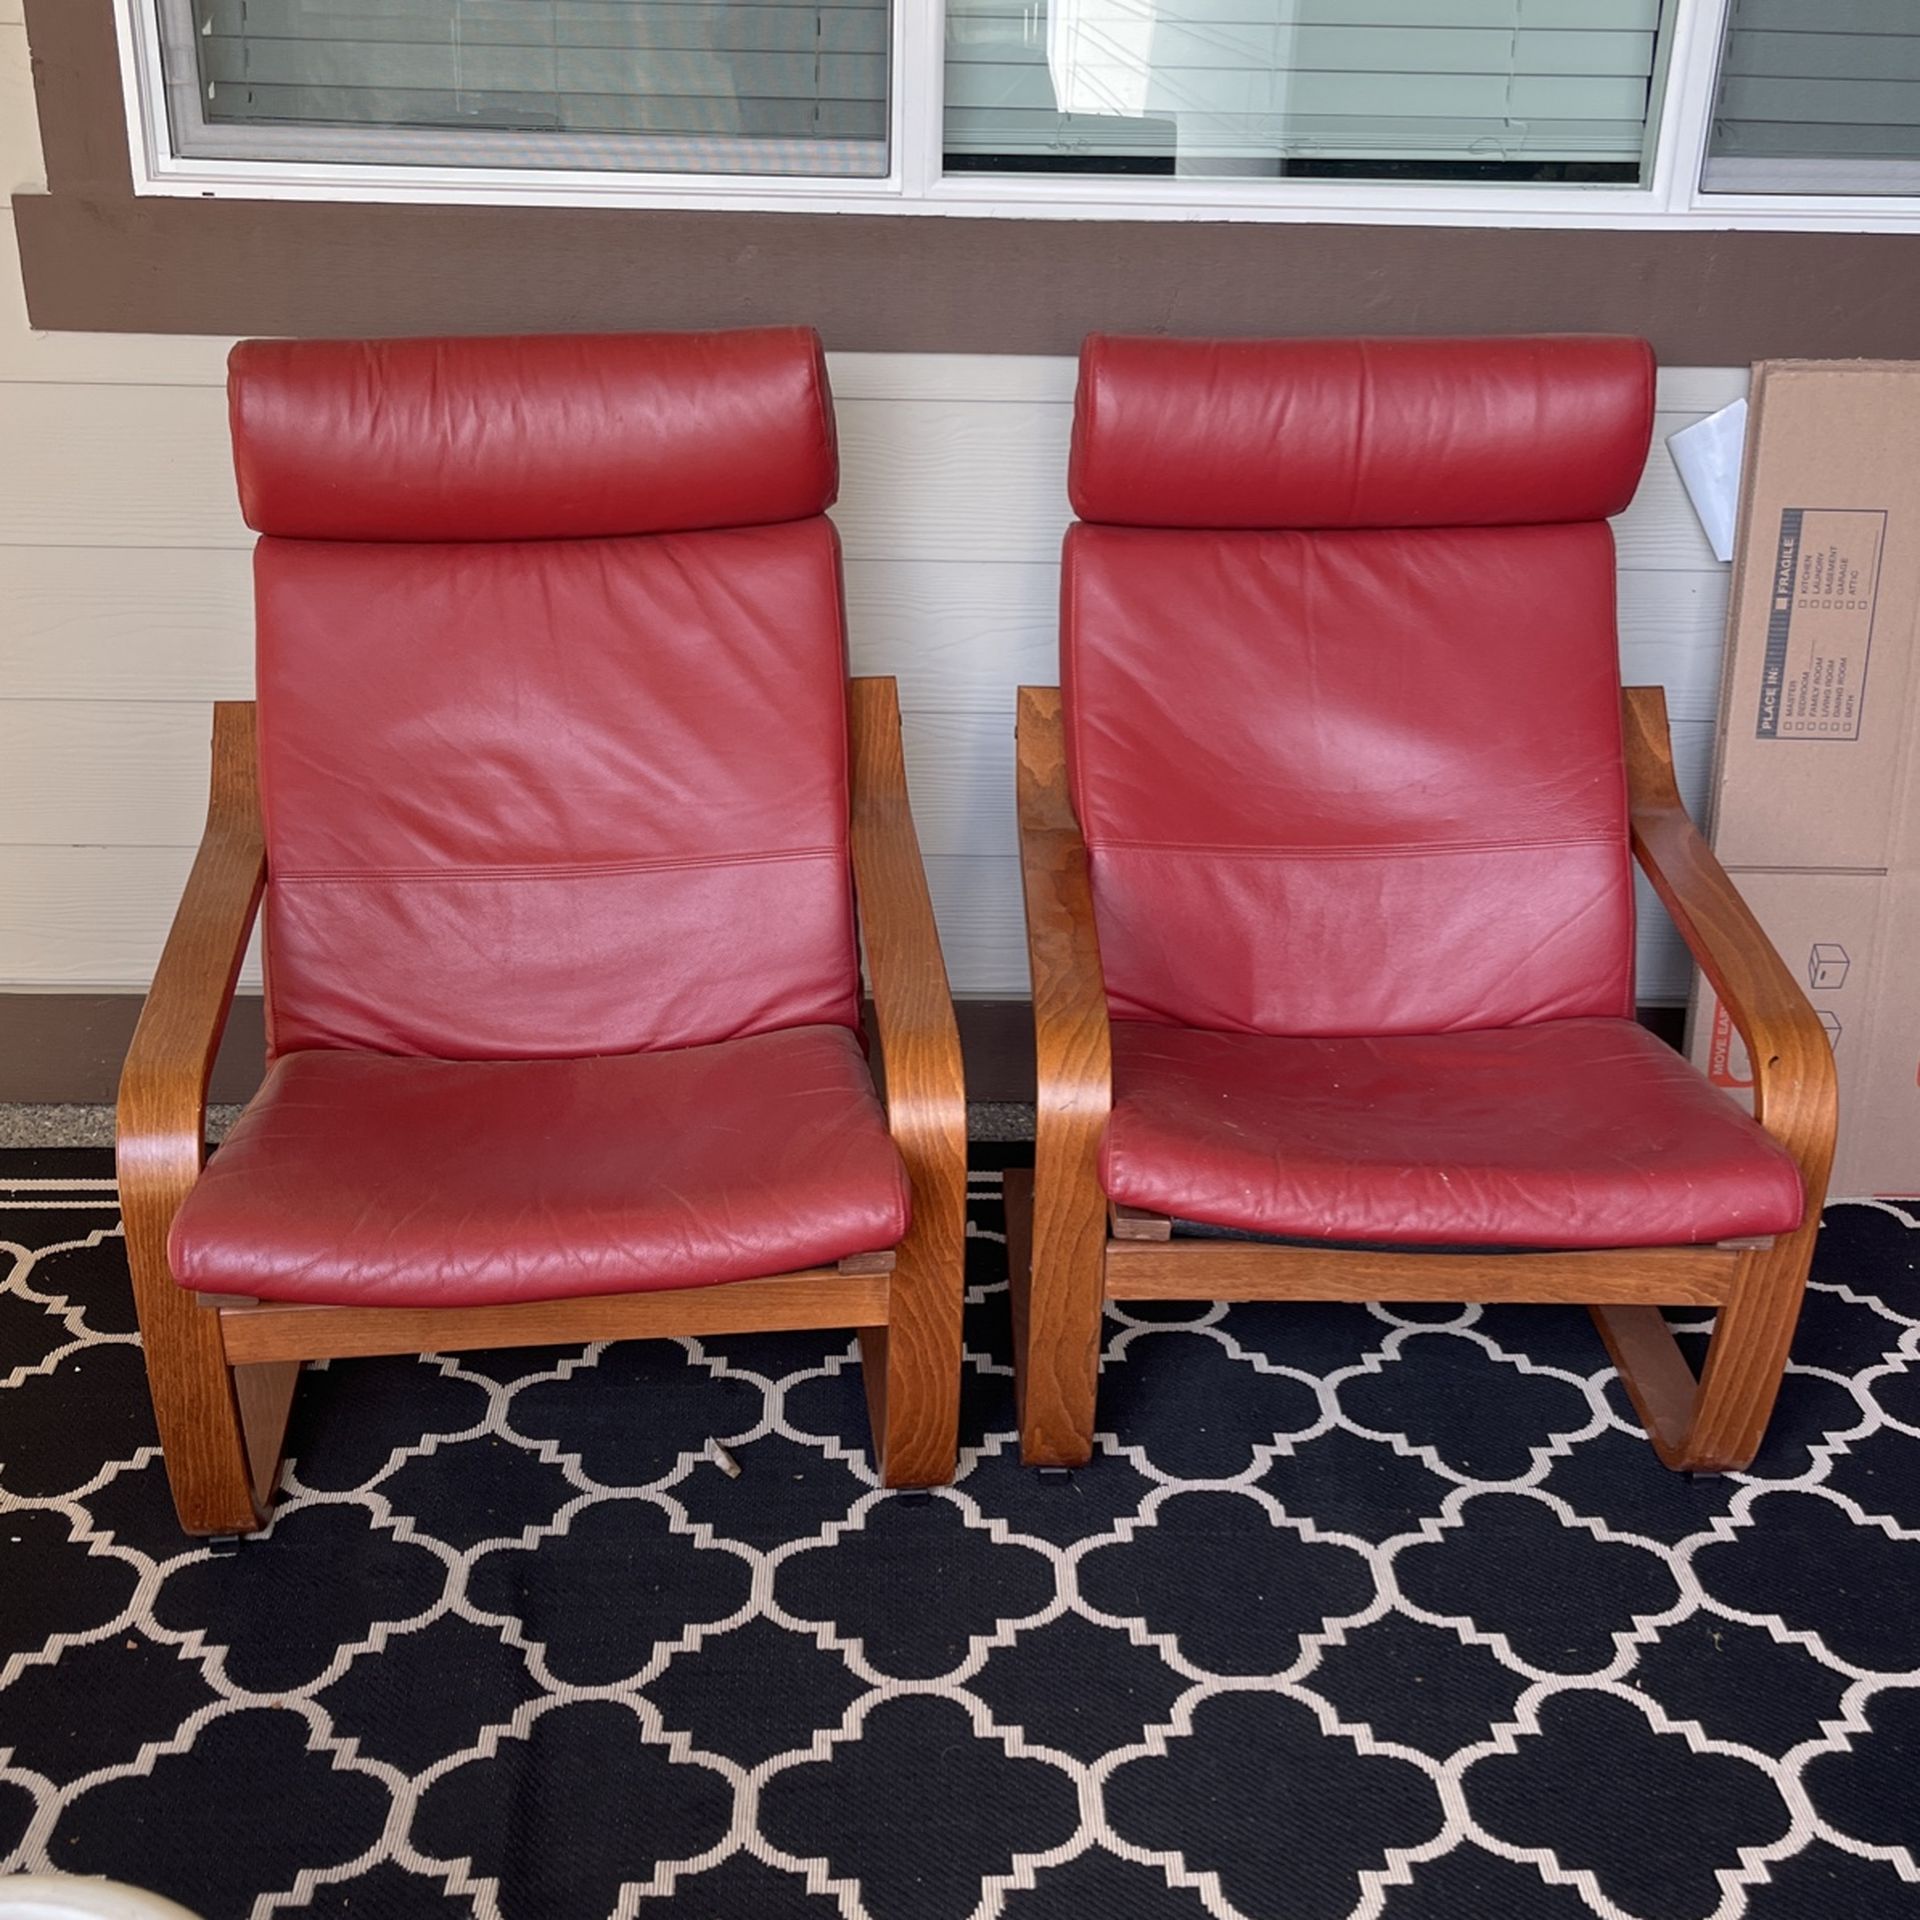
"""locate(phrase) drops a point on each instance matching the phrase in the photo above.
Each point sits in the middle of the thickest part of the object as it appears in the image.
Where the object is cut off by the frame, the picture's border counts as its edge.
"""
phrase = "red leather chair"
(561, 804)
(1326, 843)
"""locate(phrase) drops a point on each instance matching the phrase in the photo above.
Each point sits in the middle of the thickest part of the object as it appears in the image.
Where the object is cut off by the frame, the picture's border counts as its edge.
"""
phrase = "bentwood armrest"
(163, 1086)
(910, 1365)
(1793, 1072)
(913, 1008)
(219, 1426)
(1059, 1262)
(1063, 946)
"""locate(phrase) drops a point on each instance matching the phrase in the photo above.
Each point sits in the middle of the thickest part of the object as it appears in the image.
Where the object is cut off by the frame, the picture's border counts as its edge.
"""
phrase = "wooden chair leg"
(1714, 1424)
(913, 1364)
(221, 1427)
(1056, 1262)
(912, 1368)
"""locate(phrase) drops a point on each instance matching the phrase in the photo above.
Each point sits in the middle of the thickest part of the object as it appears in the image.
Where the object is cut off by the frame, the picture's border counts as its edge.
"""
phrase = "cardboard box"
(1816, 786)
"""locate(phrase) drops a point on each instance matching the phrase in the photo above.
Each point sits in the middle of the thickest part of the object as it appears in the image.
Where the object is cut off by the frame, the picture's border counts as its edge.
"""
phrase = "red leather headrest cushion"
(541, 437)
(1305, 434)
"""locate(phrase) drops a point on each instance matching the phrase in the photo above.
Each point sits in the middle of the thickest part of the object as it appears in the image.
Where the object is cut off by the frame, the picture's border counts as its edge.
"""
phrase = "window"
(1784, 113)
(677, 87)
(1247, 89)
(1819, 99)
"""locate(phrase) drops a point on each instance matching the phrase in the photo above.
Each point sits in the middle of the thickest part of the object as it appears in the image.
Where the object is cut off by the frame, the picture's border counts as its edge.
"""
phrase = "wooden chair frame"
(1069, 1250)
(223, 1371)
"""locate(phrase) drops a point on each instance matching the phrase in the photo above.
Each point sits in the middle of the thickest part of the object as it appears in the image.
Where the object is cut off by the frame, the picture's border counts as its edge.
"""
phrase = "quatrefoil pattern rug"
(1357, 1612)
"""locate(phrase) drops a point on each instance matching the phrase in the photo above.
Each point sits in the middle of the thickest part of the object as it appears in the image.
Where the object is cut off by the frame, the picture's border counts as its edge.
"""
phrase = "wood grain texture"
(1056, 1301)
(1719, 1426)
(264, 1395)
(913, 1356)
(1138, 1269)
(161, 1146)
(1792, 1058)
(818, 1297)
(1136, 1223)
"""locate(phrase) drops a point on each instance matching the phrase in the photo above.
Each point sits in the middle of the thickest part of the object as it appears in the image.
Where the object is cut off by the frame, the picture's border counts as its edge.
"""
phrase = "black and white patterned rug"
(1357, 1612)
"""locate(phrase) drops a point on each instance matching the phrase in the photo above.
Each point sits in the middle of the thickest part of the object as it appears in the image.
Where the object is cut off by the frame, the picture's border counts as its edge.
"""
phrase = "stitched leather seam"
(584, 870)
(1399, 849)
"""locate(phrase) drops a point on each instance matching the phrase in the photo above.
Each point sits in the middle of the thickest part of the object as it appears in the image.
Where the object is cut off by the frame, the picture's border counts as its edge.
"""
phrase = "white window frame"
(1671, 197)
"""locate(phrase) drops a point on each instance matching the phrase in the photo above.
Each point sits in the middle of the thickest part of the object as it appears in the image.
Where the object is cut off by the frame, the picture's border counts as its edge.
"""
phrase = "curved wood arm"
(163, 1086)
(925, 1086)
(1794, 1088)
(1063, 944)
(1715, 1422)
(918, 1038)
(1056, 1303)
(162, 1144)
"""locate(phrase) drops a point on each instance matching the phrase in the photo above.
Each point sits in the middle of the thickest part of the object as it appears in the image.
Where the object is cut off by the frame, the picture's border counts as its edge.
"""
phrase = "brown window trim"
(95, 257)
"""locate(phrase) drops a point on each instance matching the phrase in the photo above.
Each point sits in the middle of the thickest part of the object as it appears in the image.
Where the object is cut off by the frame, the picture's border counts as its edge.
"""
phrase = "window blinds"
(766, 86)
(1265, 86)
(1818, 96)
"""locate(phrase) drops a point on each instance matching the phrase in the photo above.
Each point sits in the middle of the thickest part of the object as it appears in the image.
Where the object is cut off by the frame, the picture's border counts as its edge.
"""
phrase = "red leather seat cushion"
(1572, 1133)
(370, 1180)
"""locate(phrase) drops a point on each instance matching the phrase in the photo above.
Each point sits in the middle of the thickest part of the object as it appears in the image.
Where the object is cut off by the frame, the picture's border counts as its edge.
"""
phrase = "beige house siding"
(124, 610)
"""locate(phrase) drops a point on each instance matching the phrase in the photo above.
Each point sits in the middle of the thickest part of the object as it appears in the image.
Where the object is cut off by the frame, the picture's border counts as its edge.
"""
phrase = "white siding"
(124, 610)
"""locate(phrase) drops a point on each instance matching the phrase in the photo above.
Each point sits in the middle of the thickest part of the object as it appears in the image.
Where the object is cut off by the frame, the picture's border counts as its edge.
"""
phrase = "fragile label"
(1826, 576)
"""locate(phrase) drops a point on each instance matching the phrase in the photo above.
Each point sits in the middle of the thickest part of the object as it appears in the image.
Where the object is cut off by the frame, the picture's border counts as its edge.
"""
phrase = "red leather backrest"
(1356, 769)
(544, 771)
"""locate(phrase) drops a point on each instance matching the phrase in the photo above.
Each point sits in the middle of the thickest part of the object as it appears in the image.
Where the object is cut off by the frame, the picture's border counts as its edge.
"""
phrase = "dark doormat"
(1357, 1612)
